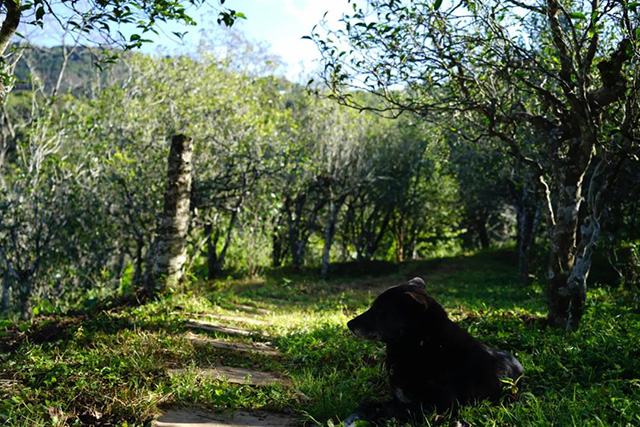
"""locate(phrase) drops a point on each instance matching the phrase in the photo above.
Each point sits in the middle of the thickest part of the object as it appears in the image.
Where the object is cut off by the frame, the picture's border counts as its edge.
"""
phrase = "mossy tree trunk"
(171, 239)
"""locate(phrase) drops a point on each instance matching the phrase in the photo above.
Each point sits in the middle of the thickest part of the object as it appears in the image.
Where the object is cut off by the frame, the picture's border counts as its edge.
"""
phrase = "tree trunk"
(276, 249)
(398, 226)
(374, 243)
(219, 262)
(6, 289)
(569, 297)
(565, 305)
(138, 272)
(25, 285)
(528, 217)
(212, 250)
(10, 24)
(329, 233)
(566, 299)
(483, 234)
(295, 243)
(170, 251)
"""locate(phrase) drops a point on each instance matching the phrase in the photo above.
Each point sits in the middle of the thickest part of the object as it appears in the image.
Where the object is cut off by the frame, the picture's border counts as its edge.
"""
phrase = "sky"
(280, 24)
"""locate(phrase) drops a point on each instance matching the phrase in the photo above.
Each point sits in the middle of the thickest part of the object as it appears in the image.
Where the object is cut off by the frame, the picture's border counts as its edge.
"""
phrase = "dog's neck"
(427, 334)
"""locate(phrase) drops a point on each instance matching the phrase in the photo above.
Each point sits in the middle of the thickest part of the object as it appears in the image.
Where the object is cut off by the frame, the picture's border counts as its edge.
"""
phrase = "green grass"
(110, 368)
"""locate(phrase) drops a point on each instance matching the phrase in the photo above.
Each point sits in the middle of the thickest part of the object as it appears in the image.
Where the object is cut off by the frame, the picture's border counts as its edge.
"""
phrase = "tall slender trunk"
(170, 251)
(25, 288)
(329, 232)
(398, 227)
(219, 262)
(212, 249)
(276, 249)
(373, 245)
(300, 230)
(483, 234)
(6, 289)
(527, 209)
(295, 242)
(139, 263)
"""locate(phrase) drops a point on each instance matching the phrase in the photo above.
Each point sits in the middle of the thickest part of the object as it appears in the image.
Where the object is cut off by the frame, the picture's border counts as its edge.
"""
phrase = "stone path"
(236, 375)
(214, 327)
(259, 348)
(237, 319)
(252, 310)
(189, 417)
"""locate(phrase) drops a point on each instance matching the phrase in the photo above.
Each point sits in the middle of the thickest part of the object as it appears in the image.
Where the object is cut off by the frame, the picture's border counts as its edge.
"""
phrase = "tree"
(565, 72)
(91, 21)
(170, 248)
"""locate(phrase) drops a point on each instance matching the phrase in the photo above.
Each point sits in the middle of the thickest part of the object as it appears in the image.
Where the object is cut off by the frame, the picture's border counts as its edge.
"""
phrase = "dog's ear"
(417, 281)
(419, 297)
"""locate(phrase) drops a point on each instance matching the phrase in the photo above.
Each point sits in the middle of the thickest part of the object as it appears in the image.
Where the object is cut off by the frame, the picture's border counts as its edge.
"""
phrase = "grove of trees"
(279, 176)
(555, 82)
(457, 126)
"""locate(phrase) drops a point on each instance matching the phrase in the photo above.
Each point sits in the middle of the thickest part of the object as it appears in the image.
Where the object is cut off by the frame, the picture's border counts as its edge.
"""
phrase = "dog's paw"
(351, 420)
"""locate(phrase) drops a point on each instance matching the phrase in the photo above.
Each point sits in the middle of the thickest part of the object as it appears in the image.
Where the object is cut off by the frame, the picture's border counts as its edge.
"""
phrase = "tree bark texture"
(171, 244)
(8, 29)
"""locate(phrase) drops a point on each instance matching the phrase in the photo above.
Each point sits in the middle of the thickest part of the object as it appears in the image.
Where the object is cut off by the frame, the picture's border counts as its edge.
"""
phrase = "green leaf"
(39, 13)
(578, 15)
(437, 4)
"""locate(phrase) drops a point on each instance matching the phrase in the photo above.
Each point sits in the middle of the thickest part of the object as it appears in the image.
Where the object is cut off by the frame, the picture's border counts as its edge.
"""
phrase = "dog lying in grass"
(432, 363)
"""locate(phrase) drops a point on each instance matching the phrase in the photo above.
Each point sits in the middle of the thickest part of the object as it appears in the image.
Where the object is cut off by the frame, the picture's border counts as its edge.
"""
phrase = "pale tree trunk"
(170, 252)
(8, 29)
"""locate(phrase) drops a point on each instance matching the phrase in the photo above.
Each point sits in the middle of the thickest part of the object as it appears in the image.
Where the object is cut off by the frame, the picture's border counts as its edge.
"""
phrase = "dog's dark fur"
(432, 363)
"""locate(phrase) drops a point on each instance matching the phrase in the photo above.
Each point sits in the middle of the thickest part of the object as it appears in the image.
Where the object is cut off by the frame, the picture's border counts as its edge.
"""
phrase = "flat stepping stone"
(213, 327)
(259, 348)
(189, 417)
(236, 375)
(238, 319)
(252, 309)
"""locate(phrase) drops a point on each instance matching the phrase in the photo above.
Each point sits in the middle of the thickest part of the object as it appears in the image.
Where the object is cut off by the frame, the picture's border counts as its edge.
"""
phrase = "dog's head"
(398, 311)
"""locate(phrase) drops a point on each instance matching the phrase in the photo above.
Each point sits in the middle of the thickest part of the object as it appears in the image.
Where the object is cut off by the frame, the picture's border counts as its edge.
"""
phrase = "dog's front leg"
(375, 412)
(365, 412)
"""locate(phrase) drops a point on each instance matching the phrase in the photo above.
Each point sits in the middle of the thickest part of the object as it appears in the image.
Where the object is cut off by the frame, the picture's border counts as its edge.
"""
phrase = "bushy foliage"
(276, 168)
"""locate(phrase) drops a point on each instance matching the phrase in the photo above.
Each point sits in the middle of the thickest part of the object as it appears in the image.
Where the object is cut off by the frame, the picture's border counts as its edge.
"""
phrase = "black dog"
(432, 363)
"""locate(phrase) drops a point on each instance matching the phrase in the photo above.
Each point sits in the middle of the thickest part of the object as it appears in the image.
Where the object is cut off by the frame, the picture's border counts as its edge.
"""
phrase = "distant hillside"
(81, 73)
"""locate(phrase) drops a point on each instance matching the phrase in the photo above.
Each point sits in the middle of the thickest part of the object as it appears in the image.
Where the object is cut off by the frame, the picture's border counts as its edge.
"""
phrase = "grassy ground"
(110, 368)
